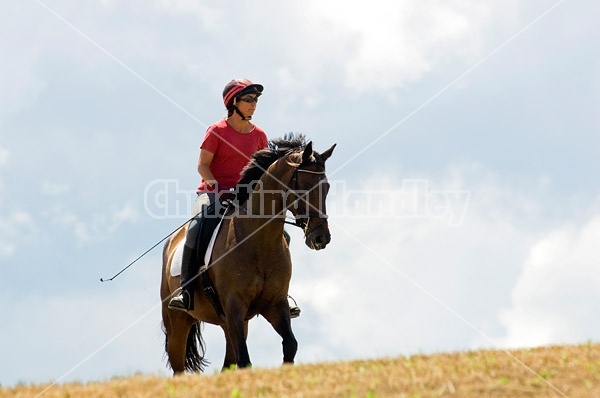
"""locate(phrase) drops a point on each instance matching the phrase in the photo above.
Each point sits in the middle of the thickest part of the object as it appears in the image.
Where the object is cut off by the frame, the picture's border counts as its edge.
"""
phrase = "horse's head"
(309, 188)
(289, 159)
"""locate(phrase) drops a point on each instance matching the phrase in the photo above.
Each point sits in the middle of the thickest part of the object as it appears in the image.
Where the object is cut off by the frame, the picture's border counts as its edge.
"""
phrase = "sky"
(464, 209)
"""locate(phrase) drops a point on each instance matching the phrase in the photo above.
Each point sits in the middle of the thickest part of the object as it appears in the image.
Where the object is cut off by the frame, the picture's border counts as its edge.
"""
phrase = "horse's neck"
(267, 205)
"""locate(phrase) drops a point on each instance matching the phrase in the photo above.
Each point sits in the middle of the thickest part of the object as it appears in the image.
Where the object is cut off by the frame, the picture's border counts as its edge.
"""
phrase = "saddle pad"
(211, 244)
(178, 256)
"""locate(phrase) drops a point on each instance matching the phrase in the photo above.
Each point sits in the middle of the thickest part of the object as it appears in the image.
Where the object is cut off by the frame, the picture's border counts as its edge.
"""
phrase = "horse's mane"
(261, 160)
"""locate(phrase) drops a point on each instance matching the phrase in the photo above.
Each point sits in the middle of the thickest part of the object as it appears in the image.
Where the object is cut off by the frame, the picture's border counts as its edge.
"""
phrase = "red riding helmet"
(238, 87)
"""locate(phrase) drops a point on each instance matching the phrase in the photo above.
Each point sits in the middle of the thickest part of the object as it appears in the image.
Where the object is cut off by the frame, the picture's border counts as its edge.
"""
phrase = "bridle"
(304, 220)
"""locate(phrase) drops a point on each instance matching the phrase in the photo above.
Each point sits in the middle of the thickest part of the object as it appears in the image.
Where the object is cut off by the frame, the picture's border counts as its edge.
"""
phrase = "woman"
(226, 149)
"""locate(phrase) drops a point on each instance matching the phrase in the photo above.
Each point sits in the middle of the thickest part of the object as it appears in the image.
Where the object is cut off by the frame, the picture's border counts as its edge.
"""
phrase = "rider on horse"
(226, 149)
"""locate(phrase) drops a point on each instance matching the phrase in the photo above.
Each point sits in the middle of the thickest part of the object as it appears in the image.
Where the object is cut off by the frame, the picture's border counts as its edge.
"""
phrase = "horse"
(250, 266)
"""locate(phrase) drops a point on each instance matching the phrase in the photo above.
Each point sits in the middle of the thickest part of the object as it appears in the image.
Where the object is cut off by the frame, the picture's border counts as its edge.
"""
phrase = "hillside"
(560, 371)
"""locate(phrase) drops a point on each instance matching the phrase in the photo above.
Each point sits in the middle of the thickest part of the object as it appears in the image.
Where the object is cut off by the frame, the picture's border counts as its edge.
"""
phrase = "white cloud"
(376, 47)
(553, 301)
(94, 227)
(14, 228)
(396, 43)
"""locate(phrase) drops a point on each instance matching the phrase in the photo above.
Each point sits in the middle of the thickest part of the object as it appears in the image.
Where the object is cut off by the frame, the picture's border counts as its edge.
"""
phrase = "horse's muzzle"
(318, 238)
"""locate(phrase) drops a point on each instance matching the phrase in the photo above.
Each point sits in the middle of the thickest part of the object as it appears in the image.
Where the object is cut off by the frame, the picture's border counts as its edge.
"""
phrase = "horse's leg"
(229, 351)
(279, 317)
(177, 329)
(235, 311)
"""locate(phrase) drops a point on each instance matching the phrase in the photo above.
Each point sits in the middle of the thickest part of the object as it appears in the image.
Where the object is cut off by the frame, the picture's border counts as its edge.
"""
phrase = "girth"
(211, 293)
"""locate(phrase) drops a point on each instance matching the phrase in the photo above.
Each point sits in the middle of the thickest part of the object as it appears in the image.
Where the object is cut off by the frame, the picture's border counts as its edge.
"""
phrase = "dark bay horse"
(250, 264)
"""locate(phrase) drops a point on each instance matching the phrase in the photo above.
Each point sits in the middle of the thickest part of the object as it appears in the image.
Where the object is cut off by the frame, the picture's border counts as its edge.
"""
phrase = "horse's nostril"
(319, 239)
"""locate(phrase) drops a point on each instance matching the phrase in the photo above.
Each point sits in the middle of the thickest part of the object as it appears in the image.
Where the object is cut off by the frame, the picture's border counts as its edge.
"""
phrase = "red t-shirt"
(228, 163)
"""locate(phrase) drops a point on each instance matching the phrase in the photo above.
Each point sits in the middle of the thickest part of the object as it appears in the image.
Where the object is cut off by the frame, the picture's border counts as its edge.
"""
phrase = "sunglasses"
(249, 100)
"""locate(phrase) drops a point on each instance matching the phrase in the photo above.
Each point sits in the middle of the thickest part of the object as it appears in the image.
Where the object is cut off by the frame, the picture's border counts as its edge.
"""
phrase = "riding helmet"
(237, 88)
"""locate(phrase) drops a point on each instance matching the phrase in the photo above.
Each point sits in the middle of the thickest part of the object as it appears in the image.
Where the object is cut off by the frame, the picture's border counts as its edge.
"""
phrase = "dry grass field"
(559, 371)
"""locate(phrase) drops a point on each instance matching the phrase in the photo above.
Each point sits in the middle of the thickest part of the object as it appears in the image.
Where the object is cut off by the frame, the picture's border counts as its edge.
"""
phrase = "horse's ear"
(307, 154)
(325, 155)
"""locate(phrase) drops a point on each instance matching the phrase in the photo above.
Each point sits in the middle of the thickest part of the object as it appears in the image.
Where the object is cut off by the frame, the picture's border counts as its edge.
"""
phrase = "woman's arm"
(204, 162)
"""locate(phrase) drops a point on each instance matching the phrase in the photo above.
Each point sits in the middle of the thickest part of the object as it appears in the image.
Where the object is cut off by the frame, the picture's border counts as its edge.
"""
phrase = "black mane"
(264, 158)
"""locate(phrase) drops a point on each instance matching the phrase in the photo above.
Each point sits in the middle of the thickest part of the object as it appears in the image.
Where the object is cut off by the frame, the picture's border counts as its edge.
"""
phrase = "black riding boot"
(184, 301)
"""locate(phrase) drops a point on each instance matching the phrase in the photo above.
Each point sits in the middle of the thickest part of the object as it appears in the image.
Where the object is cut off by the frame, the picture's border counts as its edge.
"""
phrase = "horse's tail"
(194, 349)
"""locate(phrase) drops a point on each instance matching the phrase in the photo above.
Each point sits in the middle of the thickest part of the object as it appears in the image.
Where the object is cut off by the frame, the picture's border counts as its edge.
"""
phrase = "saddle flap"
(178, 255)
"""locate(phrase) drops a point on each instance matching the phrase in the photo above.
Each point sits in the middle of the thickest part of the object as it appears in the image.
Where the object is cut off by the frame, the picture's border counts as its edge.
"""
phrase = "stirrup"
(182, 302)
(295, 312)
(294, 309)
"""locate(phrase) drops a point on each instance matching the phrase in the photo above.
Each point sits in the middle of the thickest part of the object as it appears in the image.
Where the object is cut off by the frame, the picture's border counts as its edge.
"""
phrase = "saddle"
(212, 216)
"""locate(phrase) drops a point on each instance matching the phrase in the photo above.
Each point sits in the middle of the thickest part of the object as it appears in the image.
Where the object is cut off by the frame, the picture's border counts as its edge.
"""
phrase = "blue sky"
(499, 100)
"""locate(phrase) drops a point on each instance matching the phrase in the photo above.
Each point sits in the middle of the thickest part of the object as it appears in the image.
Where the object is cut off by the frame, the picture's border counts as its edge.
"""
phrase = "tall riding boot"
(190, 266)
